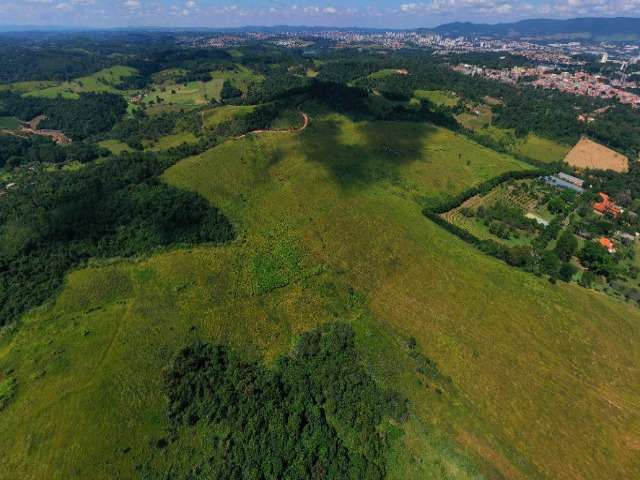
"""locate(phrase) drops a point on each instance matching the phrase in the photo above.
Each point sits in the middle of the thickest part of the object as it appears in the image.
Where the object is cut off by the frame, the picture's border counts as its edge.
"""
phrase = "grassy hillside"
(186, 95)
(541, 149)
(240, 77)
(102, 81)
(438, 97)
(215, 116)
(115, 146)
(330, 227)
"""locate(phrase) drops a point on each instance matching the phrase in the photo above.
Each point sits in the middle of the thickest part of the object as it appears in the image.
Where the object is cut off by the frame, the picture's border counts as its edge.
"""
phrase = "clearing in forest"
(589, 154)
(106, 80)
(438, 97)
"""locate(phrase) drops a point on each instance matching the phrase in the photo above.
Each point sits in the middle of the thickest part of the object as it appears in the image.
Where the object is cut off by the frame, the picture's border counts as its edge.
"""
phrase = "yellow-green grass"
(387, 72)
(189, 95)
(173, 140)
(240, 77)
(532, 146)
(216, 116)
(541, 149)
(543, 376)
(492, 100)
(438, 97)
(103, 81)
(478, 117)
(289, 119)
(25, 87)
(167, 76)
(115, 146)
(10, 123)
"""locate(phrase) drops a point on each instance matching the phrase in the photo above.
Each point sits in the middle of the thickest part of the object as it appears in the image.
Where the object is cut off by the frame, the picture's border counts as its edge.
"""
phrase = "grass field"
(173, 140)
(289, 119)
(102, 81)
(25, 87)
(330, 226)
(479, 117)
(115, 146)
(388, 72)
(240, 77)
(218, 115)
(532, 146)
(438, 97)
(541, 149)
(188, 95)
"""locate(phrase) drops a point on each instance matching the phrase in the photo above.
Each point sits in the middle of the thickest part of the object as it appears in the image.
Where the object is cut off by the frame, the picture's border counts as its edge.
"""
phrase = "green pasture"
(25, 87)
(330, 227)
(541, 149)
(217, 115)
(288, 119)
(115, 146)
(438, 97)
(478, 117)
(189, 95)
(387, 72)
(532, 146)
(103, 81)
(240, 77)
(173, 140)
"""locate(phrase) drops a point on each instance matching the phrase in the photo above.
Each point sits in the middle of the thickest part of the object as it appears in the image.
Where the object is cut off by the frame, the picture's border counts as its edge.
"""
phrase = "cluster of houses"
(604, 206)
(582, 83)
(578, 83)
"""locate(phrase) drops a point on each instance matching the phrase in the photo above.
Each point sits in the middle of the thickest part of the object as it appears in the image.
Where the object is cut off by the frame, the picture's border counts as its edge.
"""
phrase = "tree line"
(53, 221)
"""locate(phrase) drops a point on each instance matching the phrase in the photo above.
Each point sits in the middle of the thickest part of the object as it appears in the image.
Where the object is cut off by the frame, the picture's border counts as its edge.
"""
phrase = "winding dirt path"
(305, 124)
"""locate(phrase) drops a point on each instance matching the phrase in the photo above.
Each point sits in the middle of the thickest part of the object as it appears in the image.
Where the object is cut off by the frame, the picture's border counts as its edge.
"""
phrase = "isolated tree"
(567, 246)
(566, 272)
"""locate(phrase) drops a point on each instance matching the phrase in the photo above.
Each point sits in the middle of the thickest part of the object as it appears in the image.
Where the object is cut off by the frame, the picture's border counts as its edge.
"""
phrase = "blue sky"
(222, 13)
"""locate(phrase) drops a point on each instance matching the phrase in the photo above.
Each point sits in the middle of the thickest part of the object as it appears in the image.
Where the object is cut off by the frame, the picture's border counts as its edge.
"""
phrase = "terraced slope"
(542, 377)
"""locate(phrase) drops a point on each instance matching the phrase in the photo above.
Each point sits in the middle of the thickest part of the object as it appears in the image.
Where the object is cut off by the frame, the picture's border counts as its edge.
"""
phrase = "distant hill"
(597, 29)
(613, 29)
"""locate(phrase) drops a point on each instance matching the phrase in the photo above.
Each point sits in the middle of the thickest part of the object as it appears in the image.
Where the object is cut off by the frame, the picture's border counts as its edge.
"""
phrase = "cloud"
(322, 12)
(466, 9)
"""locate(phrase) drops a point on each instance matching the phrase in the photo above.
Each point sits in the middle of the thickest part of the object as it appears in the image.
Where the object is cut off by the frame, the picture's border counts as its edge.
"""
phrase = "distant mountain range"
(600, 29)
(596, 29)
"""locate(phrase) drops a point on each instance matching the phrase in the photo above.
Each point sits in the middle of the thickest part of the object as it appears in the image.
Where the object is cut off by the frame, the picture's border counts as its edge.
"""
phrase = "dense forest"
(115, 208)
(316, 414)
(78, 118)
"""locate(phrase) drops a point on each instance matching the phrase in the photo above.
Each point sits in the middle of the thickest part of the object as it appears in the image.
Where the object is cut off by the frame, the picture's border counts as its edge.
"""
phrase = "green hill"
(103, 81)
(529, 375)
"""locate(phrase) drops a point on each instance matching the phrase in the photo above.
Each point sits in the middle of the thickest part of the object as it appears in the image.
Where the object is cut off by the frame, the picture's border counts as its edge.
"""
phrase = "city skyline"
(349, 13)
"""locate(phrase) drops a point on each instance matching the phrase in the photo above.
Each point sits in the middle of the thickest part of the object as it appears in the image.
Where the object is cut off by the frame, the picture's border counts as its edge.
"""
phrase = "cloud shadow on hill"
(365, 152)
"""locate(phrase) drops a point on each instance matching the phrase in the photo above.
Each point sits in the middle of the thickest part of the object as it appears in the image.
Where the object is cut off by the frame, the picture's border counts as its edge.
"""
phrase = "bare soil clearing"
(589, 154)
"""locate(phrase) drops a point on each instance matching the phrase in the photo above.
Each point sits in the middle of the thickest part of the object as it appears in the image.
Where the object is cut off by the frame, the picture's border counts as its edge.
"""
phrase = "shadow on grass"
(365, 152)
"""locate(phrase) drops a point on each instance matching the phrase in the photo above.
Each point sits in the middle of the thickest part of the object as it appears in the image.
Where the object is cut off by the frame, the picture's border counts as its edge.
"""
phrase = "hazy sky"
(220, 13)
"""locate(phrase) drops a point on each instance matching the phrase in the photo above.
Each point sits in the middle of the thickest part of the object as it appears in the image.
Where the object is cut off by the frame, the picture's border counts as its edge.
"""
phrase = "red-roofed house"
(606, 205)
(608, 244)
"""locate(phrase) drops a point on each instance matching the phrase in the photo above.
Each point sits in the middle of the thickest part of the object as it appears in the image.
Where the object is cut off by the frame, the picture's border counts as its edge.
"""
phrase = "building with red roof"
(608, 244)
(606, 205)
